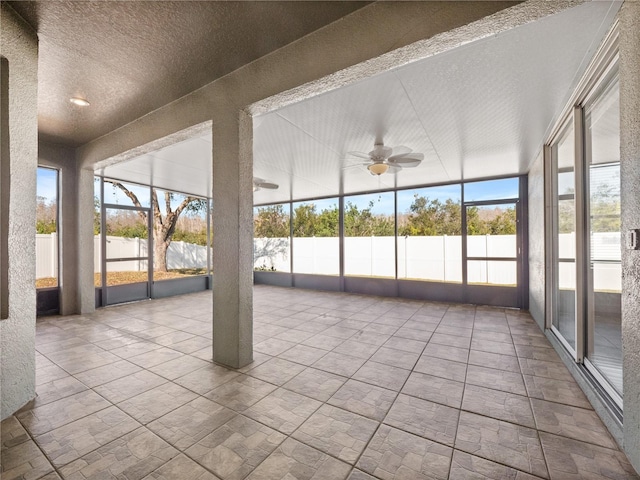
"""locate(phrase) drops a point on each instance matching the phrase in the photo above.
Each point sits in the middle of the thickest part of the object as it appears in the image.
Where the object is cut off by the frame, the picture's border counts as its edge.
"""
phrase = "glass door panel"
(604, 285)
(564, 237)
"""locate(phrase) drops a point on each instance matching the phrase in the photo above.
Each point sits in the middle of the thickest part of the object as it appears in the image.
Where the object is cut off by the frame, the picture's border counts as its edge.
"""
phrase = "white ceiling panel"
(478, 111)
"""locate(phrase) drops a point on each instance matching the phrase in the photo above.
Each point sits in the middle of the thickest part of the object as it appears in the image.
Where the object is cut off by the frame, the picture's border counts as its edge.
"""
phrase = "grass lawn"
(122, 278)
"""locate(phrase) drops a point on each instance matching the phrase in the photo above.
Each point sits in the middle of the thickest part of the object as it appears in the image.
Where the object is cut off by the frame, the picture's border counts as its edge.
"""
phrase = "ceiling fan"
(259, 184)
(384, 159)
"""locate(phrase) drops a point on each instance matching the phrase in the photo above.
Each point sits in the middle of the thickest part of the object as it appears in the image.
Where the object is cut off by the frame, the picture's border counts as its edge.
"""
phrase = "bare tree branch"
(132, 196)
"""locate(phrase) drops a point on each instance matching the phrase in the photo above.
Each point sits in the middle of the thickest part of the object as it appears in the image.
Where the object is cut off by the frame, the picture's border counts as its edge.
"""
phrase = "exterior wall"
(536, 241)
(630, 191)
(64, 160)
(19, 45)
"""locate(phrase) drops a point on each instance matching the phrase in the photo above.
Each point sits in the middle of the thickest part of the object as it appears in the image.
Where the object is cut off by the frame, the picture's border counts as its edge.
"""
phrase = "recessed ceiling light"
(81, 102)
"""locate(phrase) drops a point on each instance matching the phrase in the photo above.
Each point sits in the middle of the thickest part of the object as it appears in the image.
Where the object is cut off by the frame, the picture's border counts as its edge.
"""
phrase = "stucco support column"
(233, 239)
(630, 178)
(86, 292)
(19, 47)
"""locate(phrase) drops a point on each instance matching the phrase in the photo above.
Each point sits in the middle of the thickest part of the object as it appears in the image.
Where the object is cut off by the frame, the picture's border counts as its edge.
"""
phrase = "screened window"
(271, 238)
(316, 242)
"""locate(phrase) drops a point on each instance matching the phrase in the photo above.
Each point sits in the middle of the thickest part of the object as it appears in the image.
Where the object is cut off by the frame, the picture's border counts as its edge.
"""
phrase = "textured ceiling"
(129, 58)
(477, 111)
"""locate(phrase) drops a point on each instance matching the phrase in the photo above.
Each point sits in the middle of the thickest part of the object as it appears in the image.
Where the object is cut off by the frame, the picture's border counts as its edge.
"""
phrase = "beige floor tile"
(396, 455)
(427, 419)
(531, 340)
(406, 345)
(134, 349)
(315, 384)
(356, 348)
(395, 358)
(129, 386)
(498, 404)
(559, 391)
(448, 353)
(179, 367)
(107, 373)
(469, 467)
(493, 336)
(496, 379)
(543, 368)
(439, 367)
(434, 389)
(73, 440)
(45, 418)
(81, 358)
(192, 345)
(413, 334)
(385, 376)
(156, 402)
(155, 357)
(450, 340)
(364, 399)
(492, 347)
(236, 448)
(191, 422)
(131, 457)
(537, 353)
(23, 461)
(183, 468)
(294, 460)
(240, 392)
(207, 378)
(501, 442)
(494, 360)
(276, 371)
(12, 433)
(273, 346)
(283, 410)
(340, 364)
(48, 373)
(360, 475)
(303, 354)
(337, 432)
(324, 342)
(573, 460)
(567, 421)
(55, 390)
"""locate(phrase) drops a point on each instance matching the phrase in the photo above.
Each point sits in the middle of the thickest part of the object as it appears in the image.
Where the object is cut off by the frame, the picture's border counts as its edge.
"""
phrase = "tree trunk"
(160, 255)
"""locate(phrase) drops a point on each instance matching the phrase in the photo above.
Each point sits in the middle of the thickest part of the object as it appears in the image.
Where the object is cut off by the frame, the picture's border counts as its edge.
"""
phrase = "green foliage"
(197, 238)
(307, 222)
(45, 227)
(271, 222)
(432, 217)
(363, 223)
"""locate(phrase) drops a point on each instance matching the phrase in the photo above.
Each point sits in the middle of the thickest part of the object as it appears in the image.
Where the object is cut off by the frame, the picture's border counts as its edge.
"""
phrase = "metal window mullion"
(150, 245)
(581, 242)
(463, 233)
(103, 245)
(395, 230)
(551, 240)
(291, 239)
(341, 239)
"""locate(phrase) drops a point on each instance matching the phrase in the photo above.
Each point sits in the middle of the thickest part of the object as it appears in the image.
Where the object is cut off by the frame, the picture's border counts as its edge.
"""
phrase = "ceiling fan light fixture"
(378, 168)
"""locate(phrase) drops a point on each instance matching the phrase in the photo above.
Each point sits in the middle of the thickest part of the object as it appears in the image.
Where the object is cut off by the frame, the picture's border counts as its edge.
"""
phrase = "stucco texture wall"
(536, 241)
(19, 45)
(630, 192)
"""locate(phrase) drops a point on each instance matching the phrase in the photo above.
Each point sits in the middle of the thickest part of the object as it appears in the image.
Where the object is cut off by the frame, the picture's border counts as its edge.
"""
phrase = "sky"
(484, 190)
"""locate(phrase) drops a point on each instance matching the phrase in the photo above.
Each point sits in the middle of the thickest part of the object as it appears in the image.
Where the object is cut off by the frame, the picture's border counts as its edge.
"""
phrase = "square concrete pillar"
(233, 240)
(630, 191)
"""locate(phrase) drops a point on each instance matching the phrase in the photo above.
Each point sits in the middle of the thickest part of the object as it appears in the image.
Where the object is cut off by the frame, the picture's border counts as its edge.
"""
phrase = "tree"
(432, 217)
(364, 223)
(163, 226)
(46, 214)
(271, 222)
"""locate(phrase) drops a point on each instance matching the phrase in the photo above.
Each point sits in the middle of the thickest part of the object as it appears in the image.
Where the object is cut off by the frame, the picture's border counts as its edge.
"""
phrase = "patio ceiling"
(480, 110)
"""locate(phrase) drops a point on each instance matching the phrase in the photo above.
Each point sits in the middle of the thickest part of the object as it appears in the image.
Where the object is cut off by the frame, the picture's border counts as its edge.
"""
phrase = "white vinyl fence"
(437, 258)
(179, 255)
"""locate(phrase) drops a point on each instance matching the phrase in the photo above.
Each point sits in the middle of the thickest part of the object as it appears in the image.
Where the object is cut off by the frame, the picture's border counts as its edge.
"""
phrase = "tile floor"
(342, 386)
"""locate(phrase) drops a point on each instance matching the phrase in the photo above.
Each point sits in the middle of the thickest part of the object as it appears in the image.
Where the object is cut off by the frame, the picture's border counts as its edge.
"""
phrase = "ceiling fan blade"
(269, 186)
(406, 159)
(359, 154)
(400, 150)
(381, 151)
(394, 168)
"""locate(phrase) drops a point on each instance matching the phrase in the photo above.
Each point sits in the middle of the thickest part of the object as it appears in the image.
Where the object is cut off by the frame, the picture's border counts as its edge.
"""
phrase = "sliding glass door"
(585, 239)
